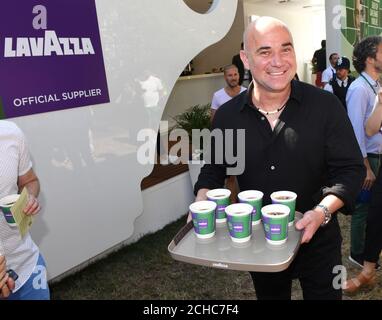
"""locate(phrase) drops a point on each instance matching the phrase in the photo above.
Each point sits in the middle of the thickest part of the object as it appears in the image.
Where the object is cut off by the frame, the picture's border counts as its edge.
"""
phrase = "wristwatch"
(327, 213)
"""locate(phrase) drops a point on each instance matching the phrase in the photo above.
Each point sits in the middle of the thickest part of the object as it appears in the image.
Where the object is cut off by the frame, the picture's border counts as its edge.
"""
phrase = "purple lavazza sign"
(50, 57)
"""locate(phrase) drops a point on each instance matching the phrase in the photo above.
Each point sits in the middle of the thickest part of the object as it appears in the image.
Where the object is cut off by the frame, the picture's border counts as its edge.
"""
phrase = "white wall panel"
(86, 157)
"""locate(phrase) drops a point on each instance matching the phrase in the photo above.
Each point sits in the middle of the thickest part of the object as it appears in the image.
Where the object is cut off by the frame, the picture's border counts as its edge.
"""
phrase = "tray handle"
(182, 232)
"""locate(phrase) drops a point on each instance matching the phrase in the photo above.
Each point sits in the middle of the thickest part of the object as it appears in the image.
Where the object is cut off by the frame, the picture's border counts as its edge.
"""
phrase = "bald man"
(297, 138)
(232, 89)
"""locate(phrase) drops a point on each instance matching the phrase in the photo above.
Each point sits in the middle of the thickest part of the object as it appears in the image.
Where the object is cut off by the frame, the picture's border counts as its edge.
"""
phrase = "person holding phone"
(7, 283)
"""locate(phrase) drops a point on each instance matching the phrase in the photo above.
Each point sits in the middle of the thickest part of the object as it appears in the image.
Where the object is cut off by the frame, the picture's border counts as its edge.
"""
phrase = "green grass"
(145, 270)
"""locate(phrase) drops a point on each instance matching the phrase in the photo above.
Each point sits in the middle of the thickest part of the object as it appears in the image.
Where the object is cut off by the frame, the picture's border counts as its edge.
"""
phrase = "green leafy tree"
(196, 117)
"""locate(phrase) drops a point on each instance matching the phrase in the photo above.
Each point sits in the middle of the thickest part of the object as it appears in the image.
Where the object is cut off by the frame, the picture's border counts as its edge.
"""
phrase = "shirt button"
(273, 168)
(263, 118)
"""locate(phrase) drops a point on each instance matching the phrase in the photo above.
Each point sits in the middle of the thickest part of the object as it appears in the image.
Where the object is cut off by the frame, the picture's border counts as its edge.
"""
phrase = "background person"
(319, 61)
(330, 71)
(373, 238)
(244, 74)
(360, 98)
(23, 256)
(232, 89)
(340, 84)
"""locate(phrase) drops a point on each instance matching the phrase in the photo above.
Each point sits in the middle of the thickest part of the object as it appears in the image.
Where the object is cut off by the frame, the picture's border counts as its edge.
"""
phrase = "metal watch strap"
(327, 213)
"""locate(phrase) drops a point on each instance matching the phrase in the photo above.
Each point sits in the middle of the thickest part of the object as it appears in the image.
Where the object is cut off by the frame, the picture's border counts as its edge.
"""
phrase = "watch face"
(327, 214)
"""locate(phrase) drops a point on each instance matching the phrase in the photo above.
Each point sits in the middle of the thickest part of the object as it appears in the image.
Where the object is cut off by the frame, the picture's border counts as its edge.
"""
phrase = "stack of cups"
(221, 198)
(276, 217)
(287, 198)
(255, 199)
(203, 218)
(239, 221)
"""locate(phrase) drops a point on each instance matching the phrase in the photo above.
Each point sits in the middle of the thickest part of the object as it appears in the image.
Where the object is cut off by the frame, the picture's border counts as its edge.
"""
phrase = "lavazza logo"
(48, 45)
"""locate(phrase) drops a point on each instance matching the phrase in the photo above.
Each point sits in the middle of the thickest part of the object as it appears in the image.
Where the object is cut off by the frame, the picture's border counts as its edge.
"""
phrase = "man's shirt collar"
(295, 94)
(371, 80)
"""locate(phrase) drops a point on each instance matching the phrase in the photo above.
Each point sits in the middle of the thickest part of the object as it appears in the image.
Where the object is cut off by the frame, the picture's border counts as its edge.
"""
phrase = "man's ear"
(370, 60)
(244, 58)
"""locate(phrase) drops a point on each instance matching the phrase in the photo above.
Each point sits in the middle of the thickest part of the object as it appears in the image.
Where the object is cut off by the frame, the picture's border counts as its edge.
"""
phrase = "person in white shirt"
(360, 98)
(341, 82)
(373, 239)
(22, 254)
(232, 89)
(330, 71)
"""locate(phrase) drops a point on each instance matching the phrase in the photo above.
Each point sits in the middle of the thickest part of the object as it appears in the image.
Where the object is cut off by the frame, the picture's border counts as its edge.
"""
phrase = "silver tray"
(221, 252)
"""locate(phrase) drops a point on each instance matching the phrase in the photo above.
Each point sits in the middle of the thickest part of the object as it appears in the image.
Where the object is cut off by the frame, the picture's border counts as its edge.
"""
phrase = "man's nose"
(277, 59)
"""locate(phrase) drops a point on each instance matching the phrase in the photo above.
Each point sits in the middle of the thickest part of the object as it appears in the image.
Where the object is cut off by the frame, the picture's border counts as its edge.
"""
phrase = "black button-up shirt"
(311, 151)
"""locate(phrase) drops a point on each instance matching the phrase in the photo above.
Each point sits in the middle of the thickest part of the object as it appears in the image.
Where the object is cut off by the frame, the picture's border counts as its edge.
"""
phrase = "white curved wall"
(86, 157)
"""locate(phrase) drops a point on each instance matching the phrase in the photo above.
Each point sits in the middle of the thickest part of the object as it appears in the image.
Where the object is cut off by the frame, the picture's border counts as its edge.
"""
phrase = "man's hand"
(202, 195)
(310, 223)
(369, 180)
(33, 206)
(374, 122)
(6, 283)
(30, 181)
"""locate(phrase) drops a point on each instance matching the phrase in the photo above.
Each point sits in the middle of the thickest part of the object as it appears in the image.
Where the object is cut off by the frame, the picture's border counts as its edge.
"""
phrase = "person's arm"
(215, 102)
(30, 181)
(325, 78)
(214, 106)
(357, 100)
(328, 87)
(370, 176)
(213, 111)
(374, 122)
(27, 178)
(313, 219)
(314, 58)
(345, 169)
